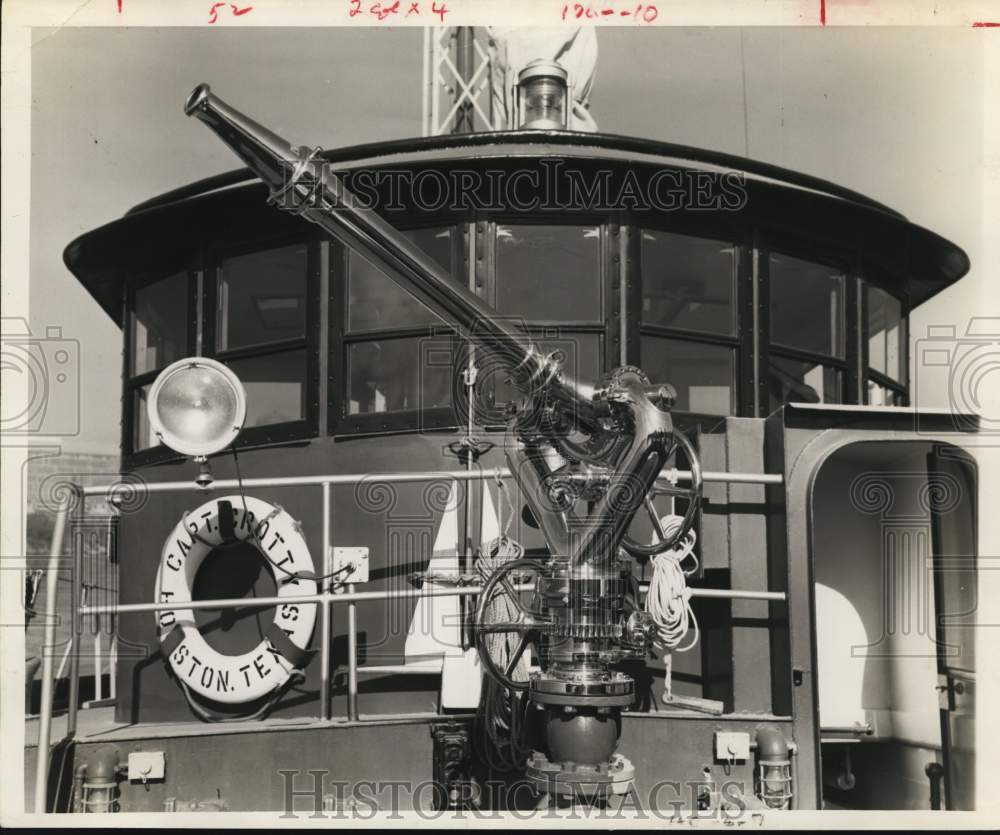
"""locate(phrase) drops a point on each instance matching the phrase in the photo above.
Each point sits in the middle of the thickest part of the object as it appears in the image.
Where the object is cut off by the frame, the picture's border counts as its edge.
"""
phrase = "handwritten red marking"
(822, 12)
(641, 12)
(119, 6)
(414, 9)
(984, 24)
(355, 8)
(213, 13)
(440, 9)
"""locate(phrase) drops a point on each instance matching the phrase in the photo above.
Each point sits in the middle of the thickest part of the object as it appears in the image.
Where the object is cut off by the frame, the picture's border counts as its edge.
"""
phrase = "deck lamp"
(197, 407)
(541, 96)
(774, 768)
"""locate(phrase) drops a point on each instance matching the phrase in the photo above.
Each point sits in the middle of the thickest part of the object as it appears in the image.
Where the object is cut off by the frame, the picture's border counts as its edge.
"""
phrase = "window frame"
(901, 388)
(202, 293)
(607, 324)
(619, 329)
(339, 422)
(735, 342)
(133, 383)
(285, 431)
(846, 264)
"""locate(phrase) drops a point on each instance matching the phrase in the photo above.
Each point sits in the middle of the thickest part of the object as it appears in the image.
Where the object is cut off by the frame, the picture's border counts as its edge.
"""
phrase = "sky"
(895, 114)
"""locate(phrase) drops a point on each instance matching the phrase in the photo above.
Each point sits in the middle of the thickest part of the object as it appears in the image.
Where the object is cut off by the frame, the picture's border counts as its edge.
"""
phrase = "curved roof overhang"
(783, 207)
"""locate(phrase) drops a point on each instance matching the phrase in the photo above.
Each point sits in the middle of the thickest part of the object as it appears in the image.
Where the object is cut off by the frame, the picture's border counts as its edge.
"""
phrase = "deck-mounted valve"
(573, 443)
(583, 614)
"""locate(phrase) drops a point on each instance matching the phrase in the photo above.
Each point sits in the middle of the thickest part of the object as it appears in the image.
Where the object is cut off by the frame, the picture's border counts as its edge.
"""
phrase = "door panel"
(954, 537)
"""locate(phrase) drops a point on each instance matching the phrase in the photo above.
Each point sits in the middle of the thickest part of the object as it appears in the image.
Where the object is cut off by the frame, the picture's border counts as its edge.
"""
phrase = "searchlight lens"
(197, 406)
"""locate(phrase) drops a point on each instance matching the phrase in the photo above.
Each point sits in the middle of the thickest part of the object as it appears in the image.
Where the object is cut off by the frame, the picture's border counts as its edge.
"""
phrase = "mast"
(458, 71)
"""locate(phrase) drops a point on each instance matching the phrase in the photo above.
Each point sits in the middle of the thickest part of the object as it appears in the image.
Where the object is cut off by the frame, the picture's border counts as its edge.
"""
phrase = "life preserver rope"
(235, 679)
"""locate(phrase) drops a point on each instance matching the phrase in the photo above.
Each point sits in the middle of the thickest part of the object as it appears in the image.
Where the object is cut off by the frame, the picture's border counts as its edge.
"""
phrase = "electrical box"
(146, 765)
(349, 565)
(731, 746)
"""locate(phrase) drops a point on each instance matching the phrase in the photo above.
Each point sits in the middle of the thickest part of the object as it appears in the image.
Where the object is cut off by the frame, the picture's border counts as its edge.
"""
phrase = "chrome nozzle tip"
(198, 96)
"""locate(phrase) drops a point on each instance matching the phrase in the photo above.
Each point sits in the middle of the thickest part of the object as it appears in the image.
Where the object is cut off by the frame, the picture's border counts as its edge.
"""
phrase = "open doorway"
(894, 547)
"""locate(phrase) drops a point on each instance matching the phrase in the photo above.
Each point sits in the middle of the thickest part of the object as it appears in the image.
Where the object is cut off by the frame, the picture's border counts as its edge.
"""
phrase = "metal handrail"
(666, 477)
(350, 597)
(48, 659)
(76, 496)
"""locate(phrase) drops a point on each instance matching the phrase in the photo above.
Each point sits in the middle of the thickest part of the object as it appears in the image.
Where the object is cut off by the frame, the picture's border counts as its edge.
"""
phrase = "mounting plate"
(350, 565)
(146, 765)
(731, 746)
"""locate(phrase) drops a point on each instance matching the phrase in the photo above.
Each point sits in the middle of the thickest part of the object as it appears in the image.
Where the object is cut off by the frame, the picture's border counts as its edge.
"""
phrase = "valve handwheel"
(527, 622)
(692, 494)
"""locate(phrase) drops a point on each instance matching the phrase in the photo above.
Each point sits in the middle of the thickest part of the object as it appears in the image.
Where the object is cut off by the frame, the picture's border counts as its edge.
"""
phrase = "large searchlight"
(197, 407)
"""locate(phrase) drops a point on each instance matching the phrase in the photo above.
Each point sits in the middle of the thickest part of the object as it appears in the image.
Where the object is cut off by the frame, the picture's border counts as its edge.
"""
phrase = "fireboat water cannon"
(572, 445)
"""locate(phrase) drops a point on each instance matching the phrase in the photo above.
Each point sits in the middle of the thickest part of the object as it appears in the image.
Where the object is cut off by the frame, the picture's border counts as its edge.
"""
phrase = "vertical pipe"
(324, 675)
(471, 371)
(352, 657)
(76, 623)
(113, 667)
(98, 660)
(95, 620)
(112, 619)
(51, 590)
(623, 305)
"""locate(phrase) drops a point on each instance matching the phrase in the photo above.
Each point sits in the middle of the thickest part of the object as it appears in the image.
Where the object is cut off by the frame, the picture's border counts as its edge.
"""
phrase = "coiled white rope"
(668, 600)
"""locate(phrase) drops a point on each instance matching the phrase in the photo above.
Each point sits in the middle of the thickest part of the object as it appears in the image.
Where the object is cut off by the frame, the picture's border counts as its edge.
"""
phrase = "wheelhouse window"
(262, 298)
(702, 374)
(688, 283)
(689, 333)
(550, 278)
(264, 314)
(808, 327)
(258, 314)
(142, 434)
(549, 273)
(276, 386)
(160, 331)
(394, 353)
(886, 335)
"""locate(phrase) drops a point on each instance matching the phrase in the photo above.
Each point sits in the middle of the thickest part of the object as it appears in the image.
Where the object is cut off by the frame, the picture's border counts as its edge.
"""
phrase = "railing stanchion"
(48, 648)
(113, 666)
(76, 616)
(98, 659)
(324, 674)
(352, 657)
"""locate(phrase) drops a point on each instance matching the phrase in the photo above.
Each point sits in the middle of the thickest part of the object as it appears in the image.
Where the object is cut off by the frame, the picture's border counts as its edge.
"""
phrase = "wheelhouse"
(746, 286)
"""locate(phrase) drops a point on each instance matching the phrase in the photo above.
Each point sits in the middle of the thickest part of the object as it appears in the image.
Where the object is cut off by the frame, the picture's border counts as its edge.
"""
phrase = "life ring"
(235, 679)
